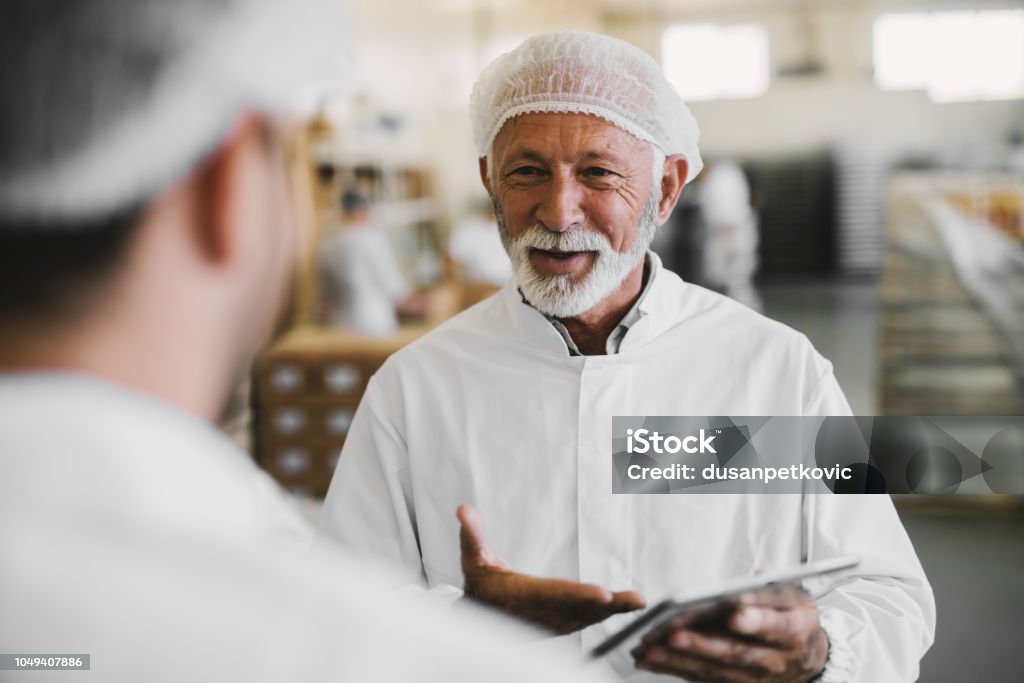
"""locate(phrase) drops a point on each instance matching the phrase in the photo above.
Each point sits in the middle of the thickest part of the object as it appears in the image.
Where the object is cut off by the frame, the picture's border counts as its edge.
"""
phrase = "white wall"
(419, 59)
(840, 105)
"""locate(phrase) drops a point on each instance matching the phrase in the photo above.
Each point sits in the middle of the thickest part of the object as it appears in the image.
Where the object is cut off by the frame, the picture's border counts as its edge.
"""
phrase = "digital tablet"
(677, 604)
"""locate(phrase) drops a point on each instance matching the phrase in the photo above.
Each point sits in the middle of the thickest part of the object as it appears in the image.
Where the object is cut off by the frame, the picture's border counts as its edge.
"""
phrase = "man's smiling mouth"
(560, 255)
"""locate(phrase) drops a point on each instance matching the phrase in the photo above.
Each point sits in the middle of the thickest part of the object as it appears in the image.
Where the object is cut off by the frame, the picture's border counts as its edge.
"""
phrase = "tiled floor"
(974, 564)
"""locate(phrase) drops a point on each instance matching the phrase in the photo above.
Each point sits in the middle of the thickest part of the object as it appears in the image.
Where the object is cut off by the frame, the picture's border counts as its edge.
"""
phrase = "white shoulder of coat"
(683, 308)
(677, 310)
(478, 326)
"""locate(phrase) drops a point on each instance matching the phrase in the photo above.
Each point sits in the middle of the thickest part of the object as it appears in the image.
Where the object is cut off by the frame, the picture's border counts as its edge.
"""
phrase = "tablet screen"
(675, 605)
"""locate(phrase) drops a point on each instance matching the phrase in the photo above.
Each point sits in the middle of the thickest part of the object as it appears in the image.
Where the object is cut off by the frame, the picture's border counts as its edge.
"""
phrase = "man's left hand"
(772, 636)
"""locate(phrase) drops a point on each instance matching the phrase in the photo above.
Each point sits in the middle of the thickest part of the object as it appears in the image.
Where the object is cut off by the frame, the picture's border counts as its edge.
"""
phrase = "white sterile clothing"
(614, 342)
(362, 279)
(137, 534)
(730, 256)
(490, 408)
(476, 246)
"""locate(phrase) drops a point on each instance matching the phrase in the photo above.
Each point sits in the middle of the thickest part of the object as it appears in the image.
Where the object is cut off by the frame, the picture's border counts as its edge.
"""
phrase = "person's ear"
(483, 174)
(228, 186)
(672, 182)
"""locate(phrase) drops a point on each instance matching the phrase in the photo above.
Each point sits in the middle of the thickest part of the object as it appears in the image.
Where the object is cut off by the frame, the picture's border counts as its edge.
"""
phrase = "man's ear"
(224, 189)
(483, 174)
(672, 181)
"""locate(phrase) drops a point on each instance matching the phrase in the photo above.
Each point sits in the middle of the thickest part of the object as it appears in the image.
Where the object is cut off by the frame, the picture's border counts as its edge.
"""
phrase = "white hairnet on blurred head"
(104, 102)
(586, 73)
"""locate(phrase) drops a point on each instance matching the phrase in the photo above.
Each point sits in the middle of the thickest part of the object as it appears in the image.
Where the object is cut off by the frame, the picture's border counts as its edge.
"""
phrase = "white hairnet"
(105, 102)
(586, 73)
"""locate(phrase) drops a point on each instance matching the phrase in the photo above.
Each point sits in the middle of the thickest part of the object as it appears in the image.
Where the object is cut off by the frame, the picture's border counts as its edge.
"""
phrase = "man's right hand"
(558, 605)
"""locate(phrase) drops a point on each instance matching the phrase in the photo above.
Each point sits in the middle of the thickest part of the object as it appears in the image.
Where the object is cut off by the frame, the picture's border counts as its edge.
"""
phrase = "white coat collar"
(657, 311)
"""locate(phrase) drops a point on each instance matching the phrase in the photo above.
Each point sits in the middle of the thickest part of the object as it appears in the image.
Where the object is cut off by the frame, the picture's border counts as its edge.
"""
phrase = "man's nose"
(560, 208)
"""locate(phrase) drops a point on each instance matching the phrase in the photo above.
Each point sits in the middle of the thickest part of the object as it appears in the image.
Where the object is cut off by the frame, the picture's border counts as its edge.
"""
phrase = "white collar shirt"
(635, 312)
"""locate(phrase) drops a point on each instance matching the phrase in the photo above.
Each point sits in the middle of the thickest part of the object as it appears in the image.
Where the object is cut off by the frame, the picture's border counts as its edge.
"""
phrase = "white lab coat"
(730, 253)
(362, 280)
(137, 534)
(476, 246)
(490, 409)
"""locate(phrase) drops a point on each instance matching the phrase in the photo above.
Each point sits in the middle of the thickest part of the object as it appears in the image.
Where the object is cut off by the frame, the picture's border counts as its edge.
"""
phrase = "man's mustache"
(575, 239)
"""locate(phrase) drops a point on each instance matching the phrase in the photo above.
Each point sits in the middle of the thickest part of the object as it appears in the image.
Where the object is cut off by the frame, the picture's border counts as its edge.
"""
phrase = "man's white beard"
(559, 296)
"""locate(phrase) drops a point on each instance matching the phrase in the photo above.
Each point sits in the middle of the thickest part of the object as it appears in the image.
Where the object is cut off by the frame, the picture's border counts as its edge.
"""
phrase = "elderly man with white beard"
(504, 413)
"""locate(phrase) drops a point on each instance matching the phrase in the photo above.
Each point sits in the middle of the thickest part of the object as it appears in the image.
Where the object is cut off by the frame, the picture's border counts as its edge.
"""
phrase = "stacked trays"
(942, 352)
(307, 389)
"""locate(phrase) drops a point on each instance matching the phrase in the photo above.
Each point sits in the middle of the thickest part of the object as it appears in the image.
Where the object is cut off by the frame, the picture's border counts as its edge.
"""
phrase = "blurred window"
(713, 62)
(955, 56)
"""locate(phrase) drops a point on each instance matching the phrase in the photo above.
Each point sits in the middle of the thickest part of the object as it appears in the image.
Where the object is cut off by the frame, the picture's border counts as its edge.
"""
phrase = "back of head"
(103, 103)
(354, 202)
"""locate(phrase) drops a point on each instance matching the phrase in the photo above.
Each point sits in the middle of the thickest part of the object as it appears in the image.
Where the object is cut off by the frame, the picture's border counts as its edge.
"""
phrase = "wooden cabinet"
(305, 394)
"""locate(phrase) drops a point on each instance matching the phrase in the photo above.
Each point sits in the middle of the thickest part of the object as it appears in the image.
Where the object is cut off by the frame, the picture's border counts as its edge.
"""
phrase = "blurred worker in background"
(730, 249)
(680, 242)
(147, 238)
(362, 283)
(1015, 153)
(584, 149)
(475, 246)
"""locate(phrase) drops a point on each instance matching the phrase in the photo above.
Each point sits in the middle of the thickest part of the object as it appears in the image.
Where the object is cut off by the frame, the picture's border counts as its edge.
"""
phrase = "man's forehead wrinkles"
(518, 152)
(602, 152)
(603, 155)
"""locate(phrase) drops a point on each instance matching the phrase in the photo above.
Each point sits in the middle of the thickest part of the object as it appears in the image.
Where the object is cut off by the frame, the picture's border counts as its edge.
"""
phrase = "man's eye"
(527, 171)
(597, 172)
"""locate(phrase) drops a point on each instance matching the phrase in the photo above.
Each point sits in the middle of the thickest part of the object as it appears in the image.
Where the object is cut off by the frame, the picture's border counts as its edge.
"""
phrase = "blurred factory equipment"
(306, 393)
(952, 328)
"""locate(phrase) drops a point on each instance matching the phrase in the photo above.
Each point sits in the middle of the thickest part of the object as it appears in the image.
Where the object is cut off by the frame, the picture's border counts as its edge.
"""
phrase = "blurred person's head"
(146, 226)
(584, 148)
(355, 208)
